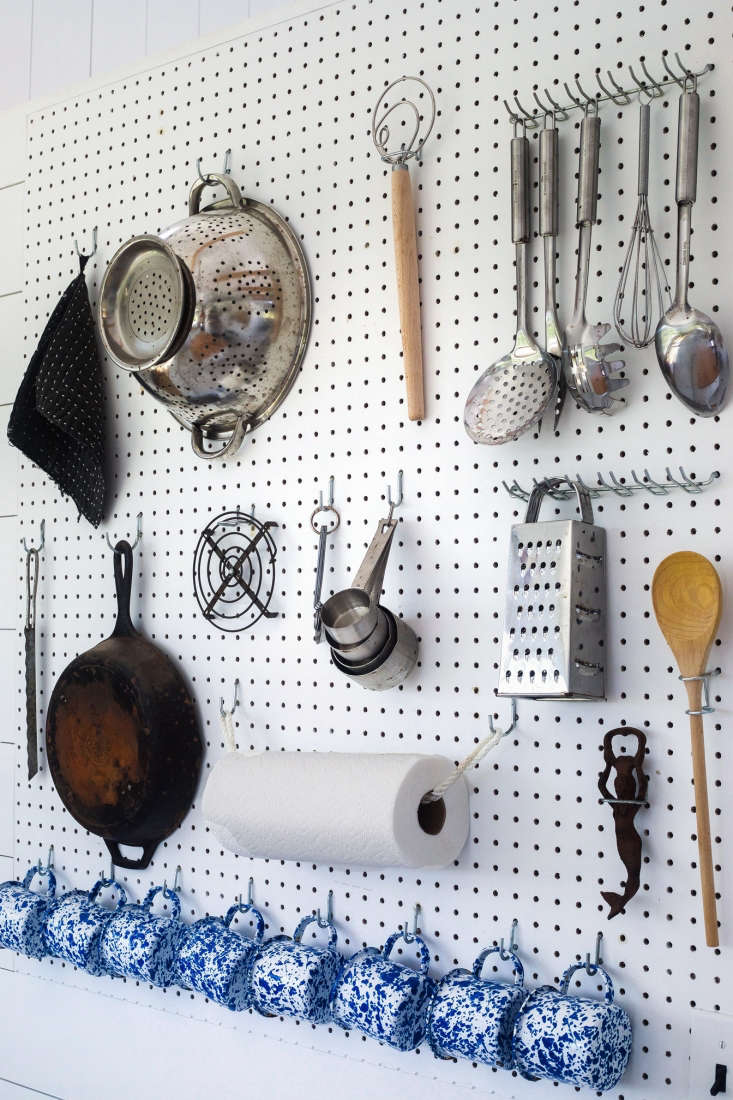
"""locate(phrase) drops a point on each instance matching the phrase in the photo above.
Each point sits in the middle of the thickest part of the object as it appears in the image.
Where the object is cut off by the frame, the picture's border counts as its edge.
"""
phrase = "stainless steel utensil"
(636, 320)
(548, 231)
(588, 368)
(514, 392)
(212, 316)
(330, 521)
(31, 717)
(555, 615)
(689, 346)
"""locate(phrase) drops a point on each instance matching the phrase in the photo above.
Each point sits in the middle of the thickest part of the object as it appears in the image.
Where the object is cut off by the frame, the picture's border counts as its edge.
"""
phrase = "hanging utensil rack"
(623, 487)
(618, 95)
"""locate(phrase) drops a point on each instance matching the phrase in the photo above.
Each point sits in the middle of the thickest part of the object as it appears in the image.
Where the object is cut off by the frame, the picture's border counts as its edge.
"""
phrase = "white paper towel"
(337, 808)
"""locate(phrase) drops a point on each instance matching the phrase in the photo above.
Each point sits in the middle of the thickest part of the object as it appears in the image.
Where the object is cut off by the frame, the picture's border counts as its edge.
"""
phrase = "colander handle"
(544, 487)
(211, 180)
(231, 446)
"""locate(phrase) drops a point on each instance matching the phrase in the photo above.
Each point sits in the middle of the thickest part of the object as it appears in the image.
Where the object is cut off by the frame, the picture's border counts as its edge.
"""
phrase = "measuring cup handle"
(370, 577)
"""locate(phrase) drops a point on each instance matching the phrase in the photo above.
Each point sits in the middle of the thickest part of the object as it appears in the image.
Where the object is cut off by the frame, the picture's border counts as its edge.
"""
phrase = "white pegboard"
(293, 102)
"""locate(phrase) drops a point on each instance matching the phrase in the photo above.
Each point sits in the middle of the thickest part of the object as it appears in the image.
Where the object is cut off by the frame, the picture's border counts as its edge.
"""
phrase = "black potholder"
(57, 418)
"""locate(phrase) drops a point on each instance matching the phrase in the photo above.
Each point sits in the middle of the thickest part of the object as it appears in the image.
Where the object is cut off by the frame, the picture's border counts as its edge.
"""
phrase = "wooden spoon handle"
(702, 813)
(408, 289)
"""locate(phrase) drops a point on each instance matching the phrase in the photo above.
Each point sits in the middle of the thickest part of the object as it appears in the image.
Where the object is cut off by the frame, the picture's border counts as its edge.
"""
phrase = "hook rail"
(621, 97)
(688, 485)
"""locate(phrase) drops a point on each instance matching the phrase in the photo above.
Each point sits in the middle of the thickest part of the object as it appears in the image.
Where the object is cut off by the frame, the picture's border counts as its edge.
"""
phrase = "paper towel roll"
(337, 807)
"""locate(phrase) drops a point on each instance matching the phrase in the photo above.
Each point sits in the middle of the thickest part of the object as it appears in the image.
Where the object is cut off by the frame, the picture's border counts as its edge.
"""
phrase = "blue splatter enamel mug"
(473, 1017)
(577, 1040)
(75, 924)
(23, 914)
(384, 998)
(290, 978)
(139, 944)
(216, 961)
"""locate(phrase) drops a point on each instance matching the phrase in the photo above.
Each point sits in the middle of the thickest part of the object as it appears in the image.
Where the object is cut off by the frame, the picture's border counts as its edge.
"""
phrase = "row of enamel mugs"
(544, 1033)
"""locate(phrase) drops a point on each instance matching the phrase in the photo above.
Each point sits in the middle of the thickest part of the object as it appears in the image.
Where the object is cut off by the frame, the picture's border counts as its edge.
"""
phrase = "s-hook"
(138, 536)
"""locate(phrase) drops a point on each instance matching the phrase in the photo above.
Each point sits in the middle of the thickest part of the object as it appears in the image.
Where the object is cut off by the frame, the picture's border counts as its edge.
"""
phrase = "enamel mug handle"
(47, 873)
(608, 991)
(313, 919)
(167, 893)
(102, 884)
(508, 957)
(248, 908)
(422, 948)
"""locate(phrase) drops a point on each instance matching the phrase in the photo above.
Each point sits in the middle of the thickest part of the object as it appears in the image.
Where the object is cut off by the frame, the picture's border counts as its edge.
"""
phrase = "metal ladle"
(690, 349)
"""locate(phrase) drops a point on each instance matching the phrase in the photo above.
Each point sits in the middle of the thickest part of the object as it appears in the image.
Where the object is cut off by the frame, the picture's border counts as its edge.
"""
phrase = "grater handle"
(542, 489)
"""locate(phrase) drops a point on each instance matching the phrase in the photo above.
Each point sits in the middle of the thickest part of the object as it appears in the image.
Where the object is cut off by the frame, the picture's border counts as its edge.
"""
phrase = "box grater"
(555, 618)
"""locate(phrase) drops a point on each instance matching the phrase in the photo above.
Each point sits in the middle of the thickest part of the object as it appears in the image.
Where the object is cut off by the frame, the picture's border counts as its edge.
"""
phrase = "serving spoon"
(690, 348)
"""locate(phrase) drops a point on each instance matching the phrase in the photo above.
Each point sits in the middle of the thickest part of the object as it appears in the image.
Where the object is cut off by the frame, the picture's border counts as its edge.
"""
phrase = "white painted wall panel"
(7, 958)
(15, 21)
(61, 45)
(8, 468)
(12, 218)
(217, 15)
(10, 662)
(12, 144)
(13, 354)
(171, 23)
(7, 804)
(10, 571)
(118, 34)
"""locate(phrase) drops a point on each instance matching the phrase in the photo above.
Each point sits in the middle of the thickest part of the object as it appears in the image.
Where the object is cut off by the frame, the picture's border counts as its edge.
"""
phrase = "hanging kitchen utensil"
(513, 393)
(367, 641)
(234, 571)
(403, 227)
(122, 736)
(690, 349)
(329, 522)
(555, 616)
(587, 363)
(549, 191)
(688, 601)
(212, 316)
(636, 320)
(32, 567)
(57, 420)
(629, 795)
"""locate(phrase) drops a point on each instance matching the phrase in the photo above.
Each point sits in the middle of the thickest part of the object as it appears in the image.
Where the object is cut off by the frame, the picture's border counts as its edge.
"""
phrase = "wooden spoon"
(687, 603)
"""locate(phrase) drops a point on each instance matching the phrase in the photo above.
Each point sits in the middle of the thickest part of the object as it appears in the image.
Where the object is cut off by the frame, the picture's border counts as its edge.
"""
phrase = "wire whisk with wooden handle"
(416, 125)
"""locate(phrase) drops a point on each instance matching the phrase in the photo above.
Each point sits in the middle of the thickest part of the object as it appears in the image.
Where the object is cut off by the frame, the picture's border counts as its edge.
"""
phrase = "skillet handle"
(123, 587)
(133, 864)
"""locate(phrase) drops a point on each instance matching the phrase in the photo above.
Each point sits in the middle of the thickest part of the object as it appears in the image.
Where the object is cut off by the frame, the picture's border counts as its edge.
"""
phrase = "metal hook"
(571, 94)
(619, 91)
(590, 101)
(673, 75)
(28, 549)
(409, 936)
(227, 167)
(250, 894)
(138, 536)
(591, 968)
(329, 912)
(513, 725)
(177, 880)
(400, 495)
(49, 862)
(222, 711)
(94, 245)
(645, 89)
(528, 117)
(506, 953)
(652, 82)
(618, 488)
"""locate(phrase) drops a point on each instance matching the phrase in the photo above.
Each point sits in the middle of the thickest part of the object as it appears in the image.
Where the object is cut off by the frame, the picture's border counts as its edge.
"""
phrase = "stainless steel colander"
(213, 316)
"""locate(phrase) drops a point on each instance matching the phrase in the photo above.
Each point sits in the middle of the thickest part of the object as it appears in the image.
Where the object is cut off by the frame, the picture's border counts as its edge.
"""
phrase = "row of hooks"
(622, 488)
(616, 94)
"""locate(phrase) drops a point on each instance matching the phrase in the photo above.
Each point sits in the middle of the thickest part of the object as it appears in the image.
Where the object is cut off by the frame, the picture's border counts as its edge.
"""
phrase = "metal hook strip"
(138, 536)
(619, 488)
(29, 549)
(619, 95)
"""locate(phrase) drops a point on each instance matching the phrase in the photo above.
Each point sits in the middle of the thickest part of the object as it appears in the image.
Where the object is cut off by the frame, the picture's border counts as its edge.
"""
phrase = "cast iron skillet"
(122, 736)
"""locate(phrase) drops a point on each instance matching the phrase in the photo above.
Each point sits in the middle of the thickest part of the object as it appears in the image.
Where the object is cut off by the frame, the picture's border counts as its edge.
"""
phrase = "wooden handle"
(702, 812)
(408, 290)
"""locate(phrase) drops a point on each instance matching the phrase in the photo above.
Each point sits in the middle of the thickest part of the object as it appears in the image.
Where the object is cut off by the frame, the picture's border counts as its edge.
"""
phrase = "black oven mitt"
(57, 418)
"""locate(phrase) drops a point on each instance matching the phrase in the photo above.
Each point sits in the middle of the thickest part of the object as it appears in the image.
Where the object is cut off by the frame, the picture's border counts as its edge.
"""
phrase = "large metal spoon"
(689, 346)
